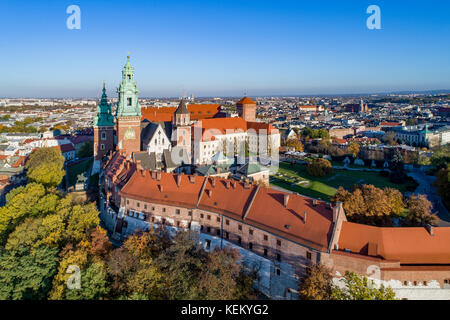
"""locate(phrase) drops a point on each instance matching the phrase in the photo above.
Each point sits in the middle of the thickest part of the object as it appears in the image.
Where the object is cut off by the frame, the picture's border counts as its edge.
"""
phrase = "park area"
(295, 178)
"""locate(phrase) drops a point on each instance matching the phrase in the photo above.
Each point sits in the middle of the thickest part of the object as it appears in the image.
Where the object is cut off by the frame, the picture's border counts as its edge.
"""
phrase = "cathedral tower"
(182, 129)
(103, 128)
(128, 112)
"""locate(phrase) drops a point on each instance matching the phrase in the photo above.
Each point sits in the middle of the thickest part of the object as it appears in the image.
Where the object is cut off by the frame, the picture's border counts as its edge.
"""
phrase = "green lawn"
(77, 169)
(297, 179)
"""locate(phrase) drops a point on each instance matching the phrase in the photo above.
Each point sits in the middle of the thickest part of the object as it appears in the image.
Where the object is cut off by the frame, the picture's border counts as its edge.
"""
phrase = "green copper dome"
(128, 105)
(104, 117)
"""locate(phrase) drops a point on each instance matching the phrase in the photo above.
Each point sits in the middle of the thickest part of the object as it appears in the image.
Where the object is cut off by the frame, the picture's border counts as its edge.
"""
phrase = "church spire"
(128, 104)
(104, 116)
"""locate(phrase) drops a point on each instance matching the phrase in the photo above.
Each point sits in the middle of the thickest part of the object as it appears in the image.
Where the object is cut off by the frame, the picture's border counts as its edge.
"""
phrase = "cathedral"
(172, 138)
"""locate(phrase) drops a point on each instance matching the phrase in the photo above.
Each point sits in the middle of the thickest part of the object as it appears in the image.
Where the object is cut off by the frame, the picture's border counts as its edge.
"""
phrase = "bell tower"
(182, 129)
(103, 128)
(128, 112)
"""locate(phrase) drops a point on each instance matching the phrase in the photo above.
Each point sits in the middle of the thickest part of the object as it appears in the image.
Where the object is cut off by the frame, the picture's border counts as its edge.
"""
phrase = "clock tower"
(128, 112)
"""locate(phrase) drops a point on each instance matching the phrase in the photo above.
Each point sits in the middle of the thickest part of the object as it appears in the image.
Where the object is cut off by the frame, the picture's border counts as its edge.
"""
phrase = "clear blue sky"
(214, 48)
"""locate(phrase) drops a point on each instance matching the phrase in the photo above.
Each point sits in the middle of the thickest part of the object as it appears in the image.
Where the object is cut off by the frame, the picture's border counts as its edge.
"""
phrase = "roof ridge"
(202, 190)
(251, 202)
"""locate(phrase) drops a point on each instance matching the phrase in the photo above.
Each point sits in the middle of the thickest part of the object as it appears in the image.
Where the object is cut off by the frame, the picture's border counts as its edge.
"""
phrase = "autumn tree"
(353, 148)
(45, 166)
(317, 284)
(419, 211)
(295, 144)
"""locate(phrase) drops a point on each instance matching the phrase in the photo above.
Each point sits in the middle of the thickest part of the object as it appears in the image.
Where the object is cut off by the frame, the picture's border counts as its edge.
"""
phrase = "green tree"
(27, 274)
(443, 185)
(319, 167)
(356, 287)
(86, 150)
(45, 166)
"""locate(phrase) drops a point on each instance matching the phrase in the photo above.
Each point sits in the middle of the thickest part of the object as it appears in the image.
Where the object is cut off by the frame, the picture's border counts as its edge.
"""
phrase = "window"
(103, 135)
(250, 245)
(227, 235)
(153, 208)
(405, 283)
(208, 244)
(240, 227)
(208, 229)
(129, 77)
(218, 219)
(278, 257)
(163, 209)
(278, 272)
(218, 232)
(424, 283)
(415, 283)
(266, 237)
(208, 217)
(102, 147)
(177, 211)
(278, 242)
(239, 240)
(201, 215)
(227, 222)
(250, 231)
(265, 252)
(129, 101)
(190, 213)
(308, 255)
(138, 204)
(128, 201)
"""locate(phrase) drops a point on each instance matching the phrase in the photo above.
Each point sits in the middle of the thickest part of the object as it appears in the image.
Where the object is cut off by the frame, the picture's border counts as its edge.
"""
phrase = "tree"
(389, 138)
(397, 168)
(319, 167)
(353, 148)
(86, 150)
(356, 287)
(443, 185)
(419, 211)
(93, 284)
(295, 144)
(317, 284)
(27, 274)
(45, 166)
(441, 157)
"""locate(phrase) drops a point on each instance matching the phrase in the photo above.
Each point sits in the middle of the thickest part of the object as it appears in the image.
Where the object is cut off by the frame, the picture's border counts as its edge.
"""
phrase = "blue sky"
(223, 48)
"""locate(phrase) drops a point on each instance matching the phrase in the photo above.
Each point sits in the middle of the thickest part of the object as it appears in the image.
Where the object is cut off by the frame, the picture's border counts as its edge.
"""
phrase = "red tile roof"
(407, 245)
(197, 112)
(257, 206)
(246, 100)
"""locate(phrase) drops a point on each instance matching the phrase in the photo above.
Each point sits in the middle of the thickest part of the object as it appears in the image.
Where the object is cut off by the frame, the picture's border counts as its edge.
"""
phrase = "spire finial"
(128, 55)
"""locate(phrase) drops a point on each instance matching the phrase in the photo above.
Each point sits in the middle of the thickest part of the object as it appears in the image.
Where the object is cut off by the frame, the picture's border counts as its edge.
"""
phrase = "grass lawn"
(77, 169)
(297, 179)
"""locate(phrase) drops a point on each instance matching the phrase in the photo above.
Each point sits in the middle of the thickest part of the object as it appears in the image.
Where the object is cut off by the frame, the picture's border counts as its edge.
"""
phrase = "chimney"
(227, 184)
(218, 169)
(286, 200)
(304, 217)
(213, 182)
(192, 179)
(209, 192)
(314, 202)
(430, 229)
(178, 180)
(233, 183)
(153, 175)
(158, 176)
(160, 187)
(336, 209)
(144, 173)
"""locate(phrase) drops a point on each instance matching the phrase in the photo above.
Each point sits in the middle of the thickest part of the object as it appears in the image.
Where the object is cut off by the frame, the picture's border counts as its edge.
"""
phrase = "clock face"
(129, 134)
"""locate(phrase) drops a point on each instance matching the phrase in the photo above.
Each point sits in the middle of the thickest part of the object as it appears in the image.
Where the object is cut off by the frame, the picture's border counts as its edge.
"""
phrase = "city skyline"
(224, 49)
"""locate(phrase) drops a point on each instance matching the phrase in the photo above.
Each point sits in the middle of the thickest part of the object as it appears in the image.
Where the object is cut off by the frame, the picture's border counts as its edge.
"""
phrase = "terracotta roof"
(212, 127)
(246, 100)
(258, 206)
(67, 147)
(407, 245)
(197, 112)
(390, 124)
(258, 126)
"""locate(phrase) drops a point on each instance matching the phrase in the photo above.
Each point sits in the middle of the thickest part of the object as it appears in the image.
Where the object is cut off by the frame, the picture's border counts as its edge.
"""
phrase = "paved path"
(426, 187)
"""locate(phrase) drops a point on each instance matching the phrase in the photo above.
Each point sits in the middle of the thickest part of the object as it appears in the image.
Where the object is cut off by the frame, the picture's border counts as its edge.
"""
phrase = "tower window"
(129, 101)
(129, 77)
(102, 147)
(103, 135)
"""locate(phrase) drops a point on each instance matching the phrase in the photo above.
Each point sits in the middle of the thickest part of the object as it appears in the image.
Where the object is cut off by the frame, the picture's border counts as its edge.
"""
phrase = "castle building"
(162, 138)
